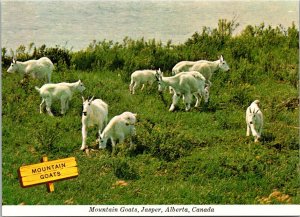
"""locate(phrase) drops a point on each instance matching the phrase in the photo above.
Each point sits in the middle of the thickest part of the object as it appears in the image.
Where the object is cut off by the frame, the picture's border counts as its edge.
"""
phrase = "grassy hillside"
(196, 157)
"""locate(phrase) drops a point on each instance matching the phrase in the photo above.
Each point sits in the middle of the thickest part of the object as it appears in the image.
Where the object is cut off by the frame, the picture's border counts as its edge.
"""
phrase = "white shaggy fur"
(206, 68)
(94, 113)
(142, 77)
(184, 84)
(254, 120)
(61, 91)
(119, 127)
(182, 66)
(40, 69)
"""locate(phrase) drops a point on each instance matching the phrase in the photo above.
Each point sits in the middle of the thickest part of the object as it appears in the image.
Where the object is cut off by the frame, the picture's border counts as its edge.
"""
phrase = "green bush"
(242, 95)
(123, 170)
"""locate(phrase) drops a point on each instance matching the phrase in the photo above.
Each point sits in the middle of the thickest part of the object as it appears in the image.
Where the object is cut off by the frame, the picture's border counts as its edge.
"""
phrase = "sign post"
(47, 172)
(50, 185)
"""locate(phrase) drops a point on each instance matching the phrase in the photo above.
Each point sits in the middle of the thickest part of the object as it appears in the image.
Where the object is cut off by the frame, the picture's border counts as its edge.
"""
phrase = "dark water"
(77, 23)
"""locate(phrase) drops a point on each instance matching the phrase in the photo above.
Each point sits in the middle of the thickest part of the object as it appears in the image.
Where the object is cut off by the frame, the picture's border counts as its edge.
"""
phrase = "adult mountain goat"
(205, 67)
(94, 113)
(60, 91)
(184, 84)
(182, 66)
(40, 69)
(118, 128)
(254, 120)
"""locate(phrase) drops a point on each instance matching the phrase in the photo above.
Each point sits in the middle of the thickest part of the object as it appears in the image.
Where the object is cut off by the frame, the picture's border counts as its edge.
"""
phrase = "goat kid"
(60, 91)
(184, 84)
(254, 120)
(118, 128)
(142, 77)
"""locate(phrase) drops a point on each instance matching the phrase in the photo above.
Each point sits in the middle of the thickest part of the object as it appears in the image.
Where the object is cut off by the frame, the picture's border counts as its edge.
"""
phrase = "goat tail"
(37, 88)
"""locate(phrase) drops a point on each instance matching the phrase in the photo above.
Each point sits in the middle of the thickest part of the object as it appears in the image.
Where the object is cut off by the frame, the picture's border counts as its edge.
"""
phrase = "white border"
(160, 210)
(84, 210)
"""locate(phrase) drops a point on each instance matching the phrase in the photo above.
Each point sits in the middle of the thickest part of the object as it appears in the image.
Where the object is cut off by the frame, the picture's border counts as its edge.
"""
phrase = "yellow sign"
(48, 171)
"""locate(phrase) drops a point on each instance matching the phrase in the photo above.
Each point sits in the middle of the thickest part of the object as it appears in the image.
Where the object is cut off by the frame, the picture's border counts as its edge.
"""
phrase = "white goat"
(206, 68)
(142, 77)
(182, 66)
(204, 93)
(254, 120)
(61, 91)
(94, 113)
(184, 84)
(40, 69)
(119, 128)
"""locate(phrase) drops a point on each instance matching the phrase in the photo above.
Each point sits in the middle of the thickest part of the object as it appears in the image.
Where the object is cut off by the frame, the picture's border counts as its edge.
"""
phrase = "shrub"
(245, 73)
(169, 145)
(242, 95)
(123, 170)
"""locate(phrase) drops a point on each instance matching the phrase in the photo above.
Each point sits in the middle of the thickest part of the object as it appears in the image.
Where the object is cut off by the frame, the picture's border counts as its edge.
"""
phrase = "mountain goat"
(142, 77)
(61, 91)
(94, 112)
(254, 120)
(182, 66)
(118, 128)
(205, 67)
(40, 69)
(184, 84)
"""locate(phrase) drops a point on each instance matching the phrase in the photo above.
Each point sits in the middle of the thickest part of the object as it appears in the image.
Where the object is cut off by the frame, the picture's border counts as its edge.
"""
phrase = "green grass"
(196, 157)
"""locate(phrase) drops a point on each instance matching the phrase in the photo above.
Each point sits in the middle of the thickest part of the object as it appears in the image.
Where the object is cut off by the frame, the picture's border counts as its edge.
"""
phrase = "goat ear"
(83, 99)
(91, 99)
(221, 58)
